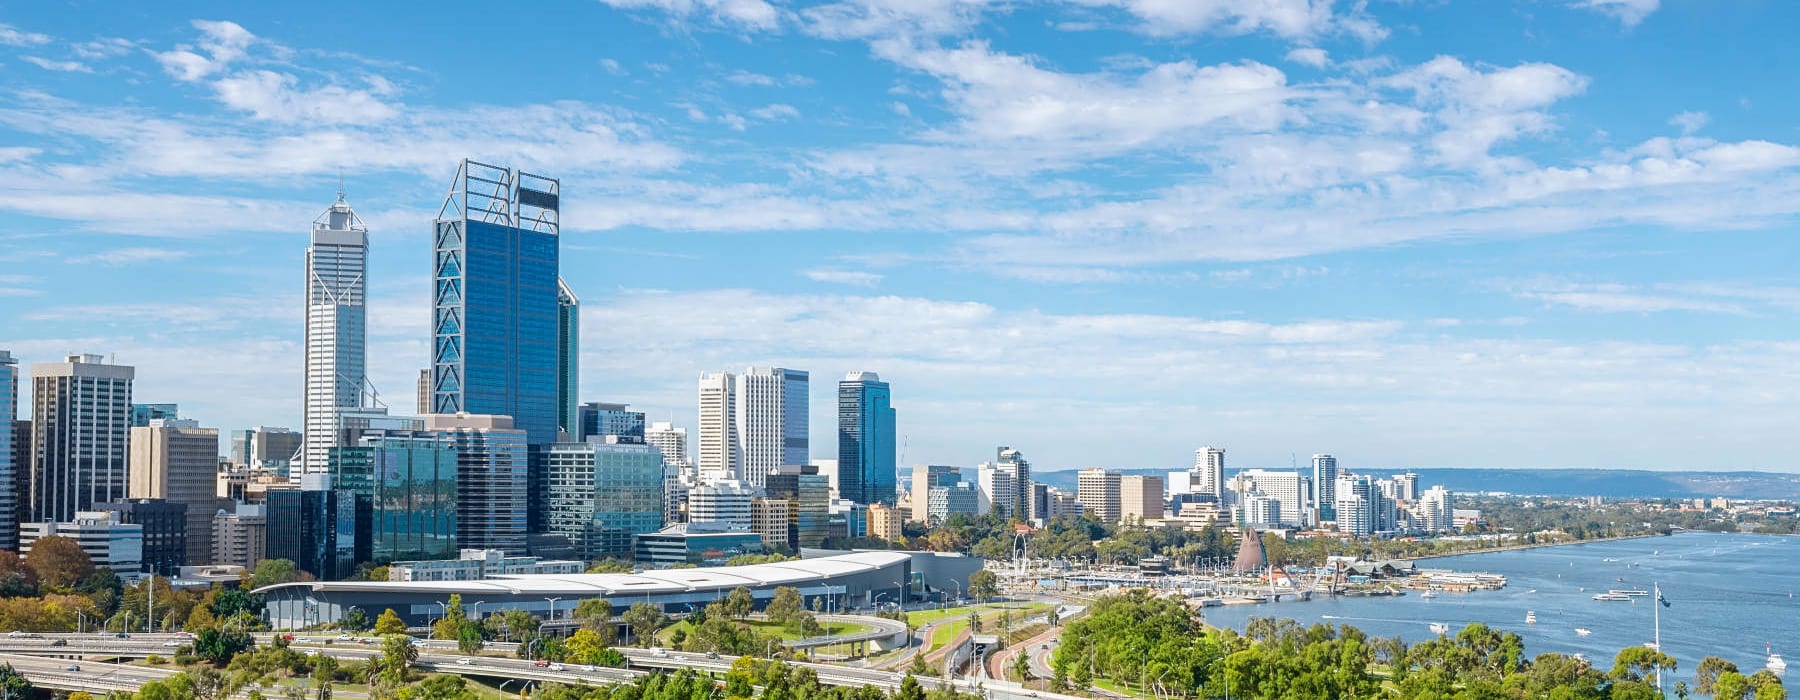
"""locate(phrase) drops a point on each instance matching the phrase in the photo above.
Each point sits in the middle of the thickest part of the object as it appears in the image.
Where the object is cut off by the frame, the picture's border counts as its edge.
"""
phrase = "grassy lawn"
(765, 628)
(920, 618)
(941, 635)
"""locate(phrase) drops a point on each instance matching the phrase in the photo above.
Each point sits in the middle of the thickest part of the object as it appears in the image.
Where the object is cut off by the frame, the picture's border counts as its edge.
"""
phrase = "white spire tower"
(336, 373)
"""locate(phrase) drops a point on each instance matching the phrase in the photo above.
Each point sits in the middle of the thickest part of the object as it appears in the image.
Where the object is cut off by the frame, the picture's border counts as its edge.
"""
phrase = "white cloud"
(1291, 19)
(222, 44)
(104, 47)
(1618, 298)
(276, 96)
(1479, 107)
(59, 66)
(1629, 12)
(119, 257)
(612, 66)
(865, 19)
(855, 278)
(13, 36)
(775, 113)
(744, 14)
(15, 154)
(743, 77)
(1314, 57)
(1690, 122)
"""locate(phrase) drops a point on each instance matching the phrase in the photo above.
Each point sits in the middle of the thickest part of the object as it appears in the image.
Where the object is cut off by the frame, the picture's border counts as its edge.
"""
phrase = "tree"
(909, 689)
(59, 562)
(596, 614)
(984, 585)
(324, 667)
(1638, 663)
(514, 624)
(272, 571)
(645, 619)
(610, 566)
(785, 607)
(974, 622)
(390, 623)
(1707, 673)
(739, 603)
(16, 578)
(1021, 665)
(355, 620)
(468, 637)
(451, 624)
(218, 647)
(397, 654)
(12, 683)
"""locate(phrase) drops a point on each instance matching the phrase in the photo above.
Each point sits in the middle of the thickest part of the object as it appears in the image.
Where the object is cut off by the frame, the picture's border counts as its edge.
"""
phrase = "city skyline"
(1533, 317)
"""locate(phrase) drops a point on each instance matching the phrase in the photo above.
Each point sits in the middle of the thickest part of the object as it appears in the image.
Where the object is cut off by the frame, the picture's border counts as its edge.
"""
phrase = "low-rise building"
(477, 565)
(700, 544)
(769, 518)
(107, 540)
(240, 535)
(884, 522)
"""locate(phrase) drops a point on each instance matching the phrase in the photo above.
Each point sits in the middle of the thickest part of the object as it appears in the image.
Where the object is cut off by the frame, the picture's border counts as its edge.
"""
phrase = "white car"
(464, 661)
(172, 644)
(15, 634)
(303, 640)
(589, 668)
(556, 667)
(659, 651)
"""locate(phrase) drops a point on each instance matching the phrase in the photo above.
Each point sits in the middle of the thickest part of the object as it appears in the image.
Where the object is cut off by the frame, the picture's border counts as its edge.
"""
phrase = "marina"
(1729, 596)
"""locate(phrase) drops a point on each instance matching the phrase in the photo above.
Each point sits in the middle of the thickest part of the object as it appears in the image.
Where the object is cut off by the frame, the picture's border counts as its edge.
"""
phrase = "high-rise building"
(143, 413)
(337, 266)
(603, 420)
(1063, 503)
(81, 422)
(1209, 472)
(423, 399)
(166, 534)
(722, 503)
(1141, 497)
(1260, 510)
(10, 469)
(770, 518)
(1005, 485)
(771, 416)
(273, 449)
(602, 494)
(867, 471)
(1292, 489)
(810, 494)
(884, 522)
(568, 358)
(719, 452)
(925, 478)
(672, 442)
(495, 499)
(1098, 490)
(1355, 505)
(1325, 473)
(318, 528)
(494, 304)
(21, 481)
(1434, 509)
(240, 535)
(407, 483)
(1406, 487)
(177, 461)
(941, 501)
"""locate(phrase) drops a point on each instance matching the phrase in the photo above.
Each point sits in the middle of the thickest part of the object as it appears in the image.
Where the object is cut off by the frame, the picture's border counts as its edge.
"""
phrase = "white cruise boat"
(1530, 617)
(1583, 631)
(1775, 663)
(1440, 628)
(1612, 596)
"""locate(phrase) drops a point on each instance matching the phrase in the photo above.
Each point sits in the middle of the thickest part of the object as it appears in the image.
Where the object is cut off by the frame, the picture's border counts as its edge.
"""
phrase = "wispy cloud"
(119, 257)
(855, 278)
(1630, 13)
(13, 36)
(59, 66)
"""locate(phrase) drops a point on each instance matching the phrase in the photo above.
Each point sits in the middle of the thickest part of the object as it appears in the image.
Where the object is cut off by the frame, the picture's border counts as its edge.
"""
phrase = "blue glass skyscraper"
(495, 308)
(866, 467)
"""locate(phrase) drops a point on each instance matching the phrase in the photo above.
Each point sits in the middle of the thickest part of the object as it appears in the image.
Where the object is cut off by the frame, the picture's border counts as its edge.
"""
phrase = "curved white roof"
(787, 573)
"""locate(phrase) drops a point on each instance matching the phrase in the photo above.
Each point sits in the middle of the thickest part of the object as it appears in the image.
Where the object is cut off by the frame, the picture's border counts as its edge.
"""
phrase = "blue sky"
(1105, 232)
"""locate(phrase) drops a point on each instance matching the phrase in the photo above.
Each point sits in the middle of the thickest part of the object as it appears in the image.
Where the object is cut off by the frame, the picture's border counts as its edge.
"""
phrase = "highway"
(92, 677)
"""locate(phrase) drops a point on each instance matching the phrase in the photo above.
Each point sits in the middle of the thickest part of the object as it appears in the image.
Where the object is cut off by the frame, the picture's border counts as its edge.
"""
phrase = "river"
(1728, 596)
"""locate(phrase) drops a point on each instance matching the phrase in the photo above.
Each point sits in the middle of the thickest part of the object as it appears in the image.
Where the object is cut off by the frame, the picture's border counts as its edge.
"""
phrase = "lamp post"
(553, 607)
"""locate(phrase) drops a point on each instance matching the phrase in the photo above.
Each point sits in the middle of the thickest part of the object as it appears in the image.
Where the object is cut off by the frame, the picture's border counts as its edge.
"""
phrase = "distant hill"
(1609, 483)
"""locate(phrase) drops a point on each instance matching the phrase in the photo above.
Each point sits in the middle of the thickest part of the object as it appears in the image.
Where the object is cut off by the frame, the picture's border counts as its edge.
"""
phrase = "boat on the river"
(1629, 592)
(1530, 617)
(1583, 631)
(1775, 663)
(1615, 597)
(1428, 595)
(1441, 628)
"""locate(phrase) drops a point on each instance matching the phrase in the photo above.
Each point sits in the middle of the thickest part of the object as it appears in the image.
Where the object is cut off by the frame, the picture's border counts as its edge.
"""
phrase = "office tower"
(177, 461)
(866, 466)
(407, 483)
(107, 540)
(166, 537)
(318, 527)
(1209, 472)
(273, 449)
(80, 422)
(1141, 497)
(943, 501)
(21, 463)
(1259, 510)
(1063, 503)
(337, 265)
(1098, 491)
(723, 503)
(240, 535)
(884, 522)
(1179, 483)
(495, 310)
(603, 494)
(1291, 489)
(143, 413)
(1005, 485)
(1434, 509)
(10, 468)
(719, 452)
(568, 356)
(596, 419)
(771, 416)
(1325, 473)
(925, 477)
(497, 501)
(423, 399)
(1355, 505)
(769, 518)
(809, 491)
(672, 442)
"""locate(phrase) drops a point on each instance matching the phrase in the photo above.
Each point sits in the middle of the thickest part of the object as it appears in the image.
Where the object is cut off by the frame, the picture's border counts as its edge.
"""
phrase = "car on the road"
(122, 635)
(541, 663)
(303, 639)
(173, 643)
(658, 651)
(343, 637)
(464, 661)
(72, 667)
(556, 667)
(712, 654)
(15, 634)
(589, 668)
(59, 642)
(1044, 646)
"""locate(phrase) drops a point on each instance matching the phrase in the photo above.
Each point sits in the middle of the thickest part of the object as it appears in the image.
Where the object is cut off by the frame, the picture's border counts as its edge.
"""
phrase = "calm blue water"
(1729, 594)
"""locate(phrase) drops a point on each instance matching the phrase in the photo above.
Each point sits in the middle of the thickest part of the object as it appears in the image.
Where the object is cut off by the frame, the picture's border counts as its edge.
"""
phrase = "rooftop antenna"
(340, 184)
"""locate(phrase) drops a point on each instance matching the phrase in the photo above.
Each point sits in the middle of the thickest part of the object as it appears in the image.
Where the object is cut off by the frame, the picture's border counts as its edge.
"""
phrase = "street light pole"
(553, 607)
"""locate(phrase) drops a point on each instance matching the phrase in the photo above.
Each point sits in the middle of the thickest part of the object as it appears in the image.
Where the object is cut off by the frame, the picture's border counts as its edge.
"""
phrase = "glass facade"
(611, 419)
(867, 472)
(143, 413)
(11, 472)
(568, 358)
(603, 495)
(495, 300)
(317, 530)
(409, 486)
(493, 489)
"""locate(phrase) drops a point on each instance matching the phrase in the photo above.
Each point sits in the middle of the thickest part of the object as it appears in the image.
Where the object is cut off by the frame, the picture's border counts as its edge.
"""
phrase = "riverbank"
(1534, 545)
